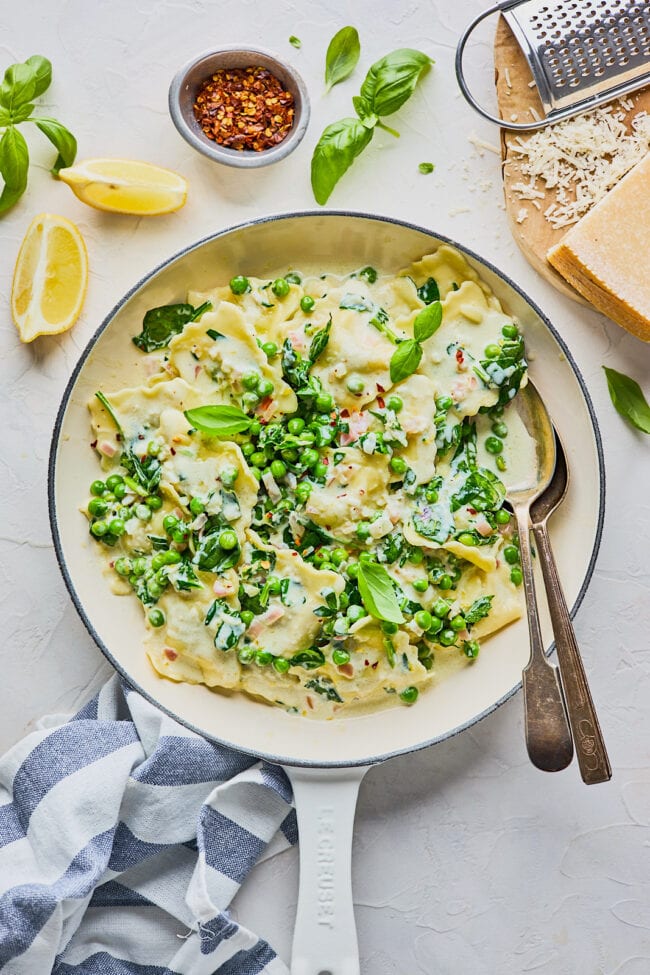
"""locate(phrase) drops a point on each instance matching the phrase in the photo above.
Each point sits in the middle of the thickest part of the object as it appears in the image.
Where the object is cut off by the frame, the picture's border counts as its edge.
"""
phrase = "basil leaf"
(319, 342)
(426, 168)
(109, 409)
(218, 421)
(342, 56)
(22, 113)
(364, 111)
(310, 659)
(427, 321)
(336, 150)
(405, 360)
(295, 41)
(14, 163)
(159, 325)
(628, 399)
(479, 609)
(62, 140)
(377, 592)
(391, 81)
(41, 73)
(429, 291)
(324, 686)
(18, 86)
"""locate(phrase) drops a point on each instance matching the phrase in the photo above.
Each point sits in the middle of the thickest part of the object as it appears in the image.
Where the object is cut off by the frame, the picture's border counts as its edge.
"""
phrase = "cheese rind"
(604, 256)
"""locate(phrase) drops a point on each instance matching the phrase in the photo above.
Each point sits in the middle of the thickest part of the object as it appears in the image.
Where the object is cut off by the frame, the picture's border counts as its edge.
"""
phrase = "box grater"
(581, 52)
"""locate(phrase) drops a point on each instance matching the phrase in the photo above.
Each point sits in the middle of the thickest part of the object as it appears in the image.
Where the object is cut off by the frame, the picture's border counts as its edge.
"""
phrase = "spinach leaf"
(213, 334)
(62, 140)
(378, 593)
(628, 399)
(210, 557)
(159, 325)
(479, 609)
(310, 659)
(431, 528)
(335, 151)
(391, 81)
(185, 578)
(146, 472)
(218, 421)
(429, 291)
(14, 164)
(158, 543)
(324, 686)
(482, 490)
(109, 409)
(353, 302)
(319, 342)
(405, 360)
(427, 321)
(294, 369)
(342, 56)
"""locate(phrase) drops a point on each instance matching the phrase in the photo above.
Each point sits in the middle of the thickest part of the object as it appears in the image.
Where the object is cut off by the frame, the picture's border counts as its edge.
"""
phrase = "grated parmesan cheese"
(480, 145)
(580, 160)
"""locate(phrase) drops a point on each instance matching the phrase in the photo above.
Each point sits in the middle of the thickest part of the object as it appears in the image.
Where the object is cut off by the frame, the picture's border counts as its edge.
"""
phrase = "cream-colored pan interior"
(334, 242)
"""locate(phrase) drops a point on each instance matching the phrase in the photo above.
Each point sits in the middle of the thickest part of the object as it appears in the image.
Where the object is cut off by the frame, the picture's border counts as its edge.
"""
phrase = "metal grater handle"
(557, 115)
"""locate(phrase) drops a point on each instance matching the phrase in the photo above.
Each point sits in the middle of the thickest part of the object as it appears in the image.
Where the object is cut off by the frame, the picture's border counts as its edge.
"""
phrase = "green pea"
(263, 658)
(250, 401)
(109, 496)
(363, 530)
(444, 403)
(228, 540)
(264, 388)
(457, 623)
(98, 488)
(97, 507)
(493, 445)
(441, 608)
(352, 570)
(492, 351)
(421, 585)
(172, 557)
(250, 380)
(496, 411)
(258, 458)
(123, 567)
(247, 449)
(156, 617)
(389, 628)
(511, 554)
(303, 490)
(179, 535)
(116, 526)
(395, 403)
(423, 619)
(278, 469)
(398, 465)
(466, 538)
(280, 287)
(310, 457)
(247, 616)
(239, 285)
(369, 273)
(356, 385)
(246, 655)
(139, 566)
(274, 585)
(409, 695)
(307, 437)
(447, 638)
(296, 425)
(143, 512)
(307, 303)
(269, 349)
(256, 428)
(510, 331)
(502, 516)
(340, 657)
(471, 649)
(436, 626)
(158, 561)
(120, 491)
(320, 471)
(321, 555)
(169, 523)
(324, 402)
(501, 464)
(256, 472)
(113, 481)
(516, 575)
(416, 556)
(281, 664)
(154, 590)
(338, 555)
(327, 567)
(500, 429)
(445, 582)
(154, 502)
(196, 506)
(355, 612)
(366, 557)
(431, 495)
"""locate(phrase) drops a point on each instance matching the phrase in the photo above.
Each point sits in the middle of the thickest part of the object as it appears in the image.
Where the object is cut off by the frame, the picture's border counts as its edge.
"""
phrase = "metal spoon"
(548, 736)
(588, 738)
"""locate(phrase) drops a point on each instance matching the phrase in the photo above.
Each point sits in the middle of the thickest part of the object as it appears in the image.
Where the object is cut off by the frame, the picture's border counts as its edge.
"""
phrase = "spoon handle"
(548, 736)
(590, 747)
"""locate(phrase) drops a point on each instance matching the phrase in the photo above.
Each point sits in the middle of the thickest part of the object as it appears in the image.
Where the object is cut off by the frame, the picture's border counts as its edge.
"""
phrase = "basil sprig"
(377, 592)
(342, 56)
(22, 83)
(161, 324)
(219, 421)
(408, 354)
(628, 399)
(390, 82)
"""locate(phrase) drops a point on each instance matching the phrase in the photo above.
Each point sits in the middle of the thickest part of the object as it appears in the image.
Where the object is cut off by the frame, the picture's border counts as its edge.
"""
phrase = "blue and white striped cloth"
(123, 839)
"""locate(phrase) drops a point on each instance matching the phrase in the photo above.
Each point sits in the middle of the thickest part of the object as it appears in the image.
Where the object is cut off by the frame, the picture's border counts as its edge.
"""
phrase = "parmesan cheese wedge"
(604, 255)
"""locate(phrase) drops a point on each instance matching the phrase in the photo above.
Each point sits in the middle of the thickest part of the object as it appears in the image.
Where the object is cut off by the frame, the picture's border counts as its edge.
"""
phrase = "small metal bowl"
(187, 82)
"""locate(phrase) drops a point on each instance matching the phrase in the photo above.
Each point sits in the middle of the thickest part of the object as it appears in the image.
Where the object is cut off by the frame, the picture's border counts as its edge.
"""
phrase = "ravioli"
(300, 521)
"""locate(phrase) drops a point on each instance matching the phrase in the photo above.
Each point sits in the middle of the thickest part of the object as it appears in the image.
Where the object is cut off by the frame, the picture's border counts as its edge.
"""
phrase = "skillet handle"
(325, 937)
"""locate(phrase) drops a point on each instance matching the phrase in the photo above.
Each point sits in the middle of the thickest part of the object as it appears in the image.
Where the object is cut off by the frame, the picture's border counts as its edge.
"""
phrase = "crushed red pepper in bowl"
(244, 108)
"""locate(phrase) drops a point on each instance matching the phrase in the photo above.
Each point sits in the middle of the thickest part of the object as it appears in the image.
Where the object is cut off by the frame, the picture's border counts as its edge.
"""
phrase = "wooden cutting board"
(534, 234)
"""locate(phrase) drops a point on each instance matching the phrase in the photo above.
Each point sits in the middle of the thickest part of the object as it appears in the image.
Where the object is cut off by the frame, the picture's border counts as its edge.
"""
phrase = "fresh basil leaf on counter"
(364, 111)
(628, 399)
(161, 324)
(336, 150)
(14, 164)
(342, 56)
(391, 81)
(62, 140)
(377, 592)
(426, 168)
(405, 360)
(427, 321)
(295, 41)
(218, 421)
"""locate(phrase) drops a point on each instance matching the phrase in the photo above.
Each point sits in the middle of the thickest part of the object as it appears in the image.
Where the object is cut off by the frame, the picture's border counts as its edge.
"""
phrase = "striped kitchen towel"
(123, 839)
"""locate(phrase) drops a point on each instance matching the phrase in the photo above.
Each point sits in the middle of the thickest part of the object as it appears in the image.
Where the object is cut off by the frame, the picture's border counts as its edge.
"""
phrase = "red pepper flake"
(244, 108)
(93, 444)
(380, 388)
(169, 653)
(345, 412)
(310, 703)
(375, 665)
(460, 358)
(172, 451)
(380, 402)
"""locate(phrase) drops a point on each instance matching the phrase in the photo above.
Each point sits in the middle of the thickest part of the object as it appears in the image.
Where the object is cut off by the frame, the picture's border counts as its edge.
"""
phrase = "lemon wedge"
(126, 186)
(50, 278)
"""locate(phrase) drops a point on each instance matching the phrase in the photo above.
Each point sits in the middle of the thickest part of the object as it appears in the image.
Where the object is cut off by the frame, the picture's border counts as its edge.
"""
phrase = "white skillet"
(326, 761)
